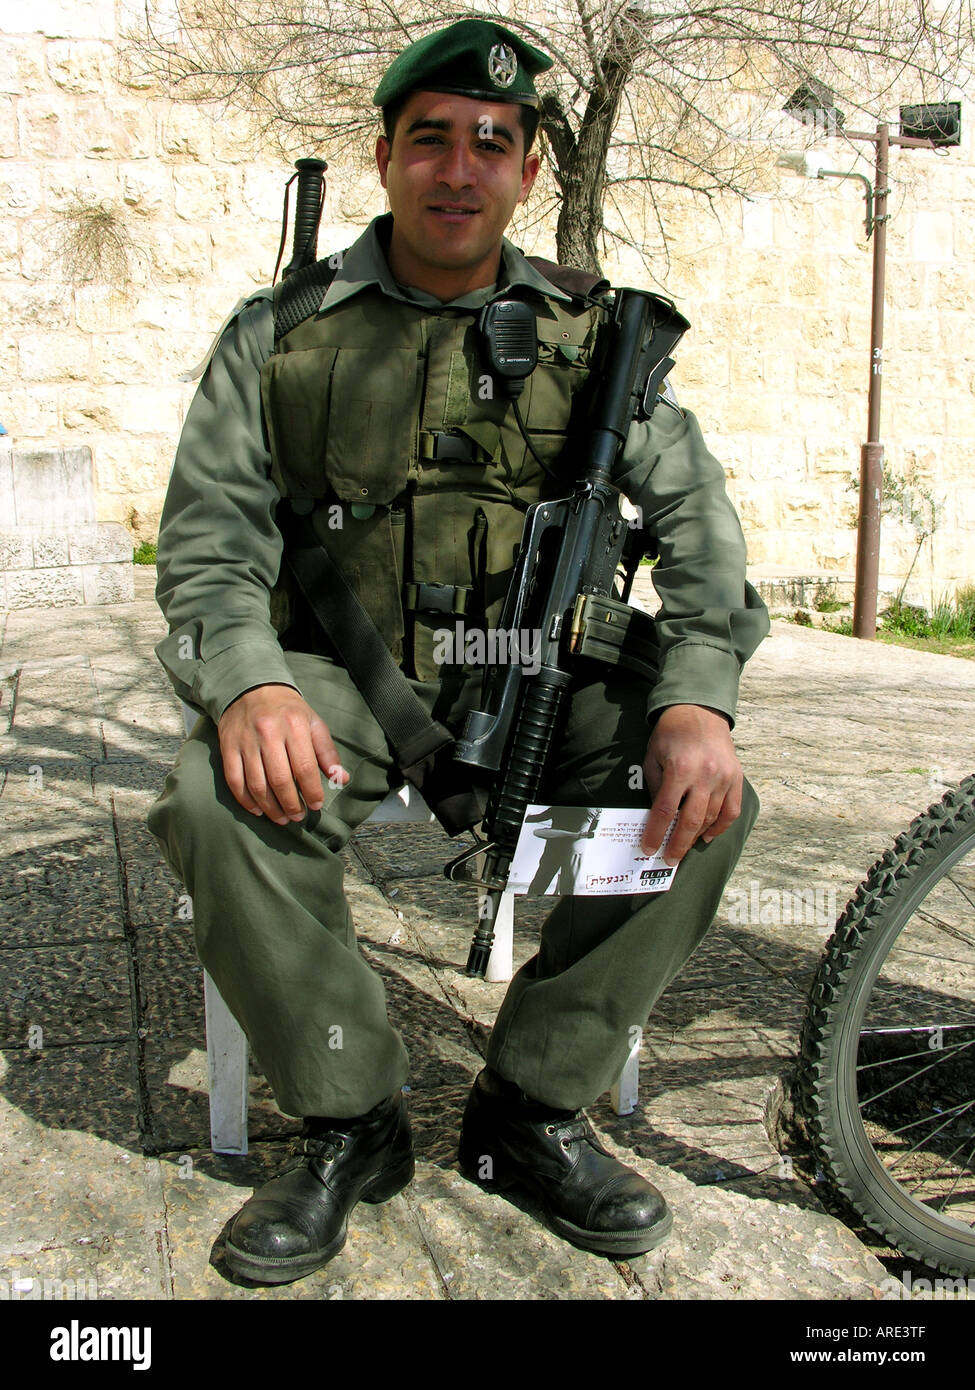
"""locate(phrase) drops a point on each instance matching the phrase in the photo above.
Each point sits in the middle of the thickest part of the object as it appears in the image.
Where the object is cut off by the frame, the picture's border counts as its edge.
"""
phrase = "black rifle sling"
(423, 747)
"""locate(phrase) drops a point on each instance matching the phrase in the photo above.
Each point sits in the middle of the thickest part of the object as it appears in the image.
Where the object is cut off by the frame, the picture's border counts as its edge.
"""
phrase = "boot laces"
(325, 1146)
(571, 1131)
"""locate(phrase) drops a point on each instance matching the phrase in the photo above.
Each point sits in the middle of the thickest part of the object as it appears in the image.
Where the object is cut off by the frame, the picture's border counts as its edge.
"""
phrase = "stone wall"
(777, 289)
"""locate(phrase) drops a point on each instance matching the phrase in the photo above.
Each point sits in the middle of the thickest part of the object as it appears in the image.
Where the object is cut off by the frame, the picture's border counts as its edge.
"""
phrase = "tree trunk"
(583, 174)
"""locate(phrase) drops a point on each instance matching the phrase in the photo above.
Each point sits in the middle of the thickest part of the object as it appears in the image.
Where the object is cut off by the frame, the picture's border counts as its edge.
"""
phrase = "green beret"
(471, 59)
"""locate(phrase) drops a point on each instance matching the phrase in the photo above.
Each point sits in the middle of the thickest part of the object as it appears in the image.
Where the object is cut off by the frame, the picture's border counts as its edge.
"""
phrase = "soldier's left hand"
(691, 767)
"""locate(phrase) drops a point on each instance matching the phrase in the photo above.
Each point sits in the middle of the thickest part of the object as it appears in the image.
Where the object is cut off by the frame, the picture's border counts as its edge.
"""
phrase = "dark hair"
(527, 118)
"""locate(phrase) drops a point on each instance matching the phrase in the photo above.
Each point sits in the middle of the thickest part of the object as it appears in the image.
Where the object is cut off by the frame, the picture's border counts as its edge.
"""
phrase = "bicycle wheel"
(887, 1064)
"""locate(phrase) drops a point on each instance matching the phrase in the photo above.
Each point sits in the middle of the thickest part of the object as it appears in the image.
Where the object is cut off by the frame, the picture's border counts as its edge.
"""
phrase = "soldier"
(363, 416)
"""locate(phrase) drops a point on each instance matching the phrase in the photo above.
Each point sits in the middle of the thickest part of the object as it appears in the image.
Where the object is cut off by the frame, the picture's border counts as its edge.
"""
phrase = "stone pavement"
(108, 1184)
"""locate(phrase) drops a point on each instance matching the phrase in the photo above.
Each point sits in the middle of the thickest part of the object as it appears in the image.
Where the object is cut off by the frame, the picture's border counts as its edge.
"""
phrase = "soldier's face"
(454, 175)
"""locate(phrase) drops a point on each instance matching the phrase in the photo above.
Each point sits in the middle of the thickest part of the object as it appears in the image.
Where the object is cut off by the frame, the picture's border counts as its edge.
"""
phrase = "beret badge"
(502, 65)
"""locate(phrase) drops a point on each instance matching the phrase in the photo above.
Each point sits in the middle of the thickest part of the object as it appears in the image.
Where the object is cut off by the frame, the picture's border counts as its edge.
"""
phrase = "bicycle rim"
(887, 1072)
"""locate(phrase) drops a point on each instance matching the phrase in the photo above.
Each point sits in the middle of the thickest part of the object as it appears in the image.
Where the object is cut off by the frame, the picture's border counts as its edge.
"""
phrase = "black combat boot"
(592, 1199)
(297, 1222)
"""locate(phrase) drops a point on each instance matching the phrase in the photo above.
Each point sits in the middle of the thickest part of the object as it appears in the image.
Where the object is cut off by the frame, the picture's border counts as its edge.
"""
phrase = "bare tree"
(656, 95)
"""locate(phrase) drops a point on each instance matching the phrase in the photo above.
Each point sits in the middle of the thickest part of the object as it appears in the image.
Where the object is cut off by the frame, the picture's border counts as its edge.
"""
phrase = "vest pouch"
(295, 394)
(339, 419)
(564, 357)
(369, 443)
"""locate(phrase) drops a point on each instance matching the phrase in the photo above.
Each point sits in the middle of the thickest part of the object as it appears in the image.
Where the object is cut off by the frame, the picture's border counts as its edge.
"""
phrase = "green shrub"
(145, 554)
(965, 607)
(825, 600)
(907, 619)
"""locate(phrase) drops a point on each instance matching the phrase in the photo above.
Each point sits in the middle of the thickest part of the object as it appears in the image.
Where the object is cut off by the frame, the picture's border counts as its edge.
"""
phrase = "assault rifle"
(564, 589)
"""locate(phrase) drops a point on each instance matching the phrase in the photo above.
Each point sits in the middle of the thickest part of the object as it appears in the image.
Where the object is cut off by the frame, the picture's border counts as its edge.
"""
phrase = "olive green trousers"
(274, 930)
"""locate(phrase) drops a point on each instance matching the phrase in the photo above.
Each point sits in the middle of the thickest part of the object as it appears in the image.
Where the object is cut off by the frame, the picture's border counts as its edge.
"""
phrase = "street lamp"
(921, 127)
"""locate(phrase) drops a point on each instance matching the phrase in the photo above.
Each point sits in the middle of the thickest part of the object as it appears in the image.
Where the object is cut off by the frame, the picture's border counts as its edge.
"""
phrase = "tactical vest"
(385, 426)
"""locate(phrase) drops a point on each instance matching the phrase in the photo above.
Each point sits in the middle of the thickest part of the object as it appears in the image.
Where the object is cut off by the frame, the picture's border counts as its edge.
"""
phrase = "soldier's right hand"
(274, 748)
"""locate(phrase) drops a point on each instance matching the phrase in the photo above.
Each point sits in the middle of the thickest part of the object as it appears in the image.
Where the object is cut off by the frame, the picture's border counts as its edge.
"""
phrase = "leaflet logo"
(76, 1343)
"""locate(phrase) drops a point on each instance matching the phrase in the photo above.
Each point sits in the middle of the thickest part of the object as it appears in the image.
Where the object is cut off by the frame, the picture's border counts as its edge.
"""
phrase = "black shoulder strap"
(580, 283)
(300, 296)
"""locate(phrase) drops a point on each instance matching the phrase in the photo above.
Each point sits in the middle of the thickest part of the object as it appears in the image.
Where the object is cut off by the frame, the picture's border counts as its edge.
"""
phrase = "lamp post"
(941, 125)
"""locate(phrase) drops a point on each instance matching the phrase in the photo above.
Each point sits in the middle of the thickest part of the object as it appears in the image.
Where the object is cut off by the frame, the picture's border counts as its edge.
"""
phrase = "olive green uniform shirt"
(220, 550)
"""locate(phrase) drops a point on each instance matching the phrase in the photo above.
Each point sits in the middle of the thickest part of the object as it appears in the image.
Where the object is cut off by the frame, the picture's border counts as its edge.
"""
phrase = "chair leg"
(623, 1096)
(499, 966)
(227, 1064)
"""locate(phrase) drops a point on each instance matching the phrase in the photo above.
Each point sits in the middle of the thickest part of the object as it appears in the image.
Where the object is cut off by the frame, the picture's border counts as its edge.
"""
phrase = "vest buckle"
(441, 444)
(432, 599)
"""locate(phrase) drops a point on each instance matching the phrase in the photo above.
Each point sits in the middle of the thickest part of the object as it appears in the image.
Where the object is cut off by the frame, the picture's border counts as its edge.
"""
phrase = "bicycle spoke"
(949, 1116)
(958, 1177)
(913, 1077)
(962, 891)
(892, 1061)
(953, 932)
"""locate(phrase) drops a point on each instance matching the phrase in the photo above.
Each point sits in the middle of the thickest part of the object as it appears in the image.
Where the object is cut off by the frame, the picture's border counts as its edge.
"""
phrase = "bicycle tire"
(866, 934)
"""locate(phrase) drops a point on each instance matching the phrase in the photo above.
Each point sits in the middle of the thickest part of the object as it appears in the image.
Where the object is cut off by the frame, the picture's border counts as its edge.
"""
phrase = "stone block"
(150, 409)
(53, 357)
(129, 469)
(52, 487)
(105, 544)
(185, 132)
(65, 185)
(9, 137)
(932, 238)
(705, 370)
(47, 129)
(130, 134)
(31, 414)
(170, 310)
(195, 195)
(85, 67)
(102, 309)
(263, 191)
(130, 358)
(757, 224)
(16, 549)
(82, 19)
(21, 64)
(50, 549)
(114, 583)
(147, 189)
(20, 192)
(235, 140)
(88, 411)
(6, 477)
(53, 588)
(34, 306)
(182, 253)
